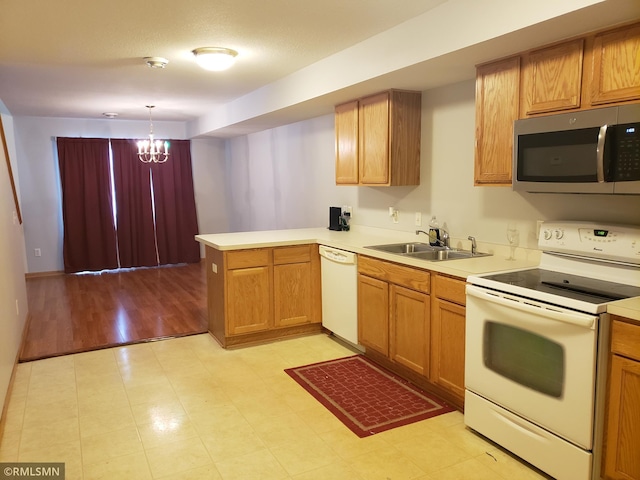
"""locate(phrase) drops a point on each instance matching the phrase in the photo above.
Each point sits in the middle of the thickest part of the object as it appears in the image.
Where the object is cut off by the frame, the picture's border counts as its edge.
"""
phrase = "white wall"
(13, 293)
(40, 184)
(284, 177)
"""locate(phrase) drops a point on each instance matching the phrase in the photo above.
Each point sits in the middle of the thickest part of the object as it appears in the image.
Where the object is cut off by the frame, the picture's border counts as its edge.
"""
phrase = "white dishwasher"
(340, 292)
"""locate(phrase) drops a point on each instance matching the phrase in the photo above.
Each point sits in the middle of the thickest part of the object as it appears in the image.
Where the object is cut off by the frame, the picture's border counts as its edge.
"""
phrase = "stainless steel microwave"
(590, 151)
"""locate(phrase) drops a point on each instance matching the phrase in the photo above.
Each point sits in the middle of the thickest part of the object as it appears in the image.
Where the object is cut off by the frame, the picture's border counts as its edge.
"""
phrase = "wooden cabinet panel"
(346, 126)
(449, 288)
(413, 278)
(295, 254)
(616, 66)
(378, 139)
(447, 346)
(552, 78)
(373, 314)
(292, 284)
(374, 139)
(625, 339)
(497, 94)
(249, 300)
(409, 329)
(248, 258)
(622, 452)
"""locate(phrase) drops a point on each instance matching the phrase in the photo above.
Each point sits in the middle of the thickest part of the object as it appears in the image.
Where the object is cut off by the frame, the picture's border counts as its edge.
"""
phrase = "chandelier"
(156, 151)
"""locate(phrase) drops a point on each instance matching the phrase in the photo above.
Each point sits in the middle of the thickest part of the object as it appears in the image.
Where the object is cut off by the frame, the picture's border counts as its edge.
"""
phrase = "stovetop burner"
(584, 289)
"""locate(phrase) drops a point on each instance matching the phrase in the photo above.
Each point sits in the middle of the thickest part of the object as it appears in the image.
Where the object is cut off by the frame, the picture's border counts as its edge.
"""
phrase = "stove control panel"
(609, 242)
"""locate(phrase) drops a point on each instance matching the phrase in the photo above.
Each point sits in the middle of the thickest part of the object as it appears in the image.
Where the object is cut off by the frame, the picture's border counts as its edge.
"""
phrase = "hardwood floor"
(75, 313)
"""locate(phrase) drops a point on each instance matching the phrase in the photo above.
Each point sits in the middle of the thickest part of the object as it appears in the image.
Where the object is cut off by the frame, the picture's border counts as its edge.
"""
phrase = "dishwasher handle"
(338, 256)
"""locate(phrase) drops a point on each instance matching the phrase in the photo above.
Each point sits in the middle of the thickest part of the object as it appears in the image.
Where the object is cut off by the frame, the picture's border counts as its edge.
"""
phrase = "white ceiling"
(79, 58)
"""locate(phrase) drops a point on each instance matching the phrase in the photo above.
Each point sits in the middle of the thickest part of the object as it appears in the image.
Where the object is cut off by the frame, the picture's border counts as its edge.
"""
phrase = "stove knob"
(547, 234)
(559, 234)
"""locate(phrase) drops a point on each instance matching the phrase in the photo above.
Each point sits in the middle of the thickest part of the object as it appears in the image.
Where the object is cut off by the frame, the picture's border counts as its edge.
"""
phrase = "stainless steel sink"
(439, 255)
(424, 251)
(404, 248)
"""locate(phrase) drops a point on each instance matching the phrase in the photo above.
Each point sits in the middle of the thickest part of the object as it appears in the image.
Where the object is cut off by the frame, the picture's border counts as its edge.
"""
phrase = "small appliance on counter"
(338, 220)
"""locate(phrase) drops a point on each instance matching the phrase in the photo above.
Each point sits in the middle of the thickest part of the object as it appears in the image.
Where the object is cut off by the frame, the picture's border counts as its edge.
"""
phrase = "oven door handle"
(580, 320)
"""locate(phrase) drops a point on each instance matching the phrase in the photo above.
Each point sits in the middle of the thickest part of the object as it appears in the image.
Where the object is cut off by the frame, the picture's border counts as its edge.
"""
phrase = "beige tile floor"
(187, 409)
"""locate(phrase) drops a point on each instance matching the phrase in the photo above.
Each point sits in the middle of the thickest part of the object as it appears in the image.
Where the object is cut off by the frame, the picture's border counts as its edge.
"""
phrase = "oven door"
(535, 360)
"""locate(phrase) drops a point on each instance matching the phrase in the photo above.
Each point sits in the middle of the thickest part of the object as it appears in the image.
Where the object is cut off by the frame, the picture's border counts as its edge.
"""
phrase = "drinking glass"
(513, 237)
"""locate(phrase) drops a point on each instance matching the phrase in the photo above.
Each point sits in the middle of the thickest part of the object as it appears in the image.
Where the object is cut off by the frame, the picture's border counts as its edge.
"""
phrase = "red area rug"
(366, 397)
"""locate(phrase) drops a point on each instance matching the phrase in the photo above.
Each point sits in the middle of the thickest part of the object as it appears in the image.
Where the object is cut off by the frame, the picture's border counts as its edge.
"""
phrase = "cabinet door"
(616, 66)
(292, 285)
(249, 300)
(497, 94)
(552, 78)
(447, 346)
(409, 329)
(622, 455)
(373, 314)
(374, 139)
(347, 143)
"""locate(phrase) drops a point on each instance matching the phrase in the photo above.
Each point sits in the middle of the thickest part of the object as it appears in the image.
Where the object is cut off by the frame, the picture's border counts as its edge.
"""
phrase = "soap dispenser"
(434, 232)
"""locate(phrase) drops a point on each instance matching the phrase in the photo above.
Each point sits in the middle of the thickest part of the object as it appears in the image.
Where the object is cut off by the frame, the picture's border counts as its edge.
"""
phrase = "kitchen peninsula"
(250, 273)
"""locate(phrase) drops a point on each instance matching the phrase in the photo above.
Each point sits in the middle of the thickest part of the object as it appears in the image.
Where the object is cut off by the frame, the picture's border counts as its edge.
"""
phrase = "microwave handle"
(600, 153)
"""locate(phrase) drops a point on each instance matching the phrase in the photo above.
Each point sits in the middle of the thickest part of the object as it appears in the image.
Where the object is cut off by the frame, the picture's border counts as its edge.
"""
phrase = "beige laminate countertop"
(358, 238)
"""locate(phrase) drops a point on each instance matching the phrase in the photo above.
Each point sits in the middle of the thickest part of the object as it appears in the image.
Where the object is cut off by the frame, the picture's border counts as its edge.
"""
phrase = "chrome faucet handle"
(445, 240)
(418, 232)
(474, 247)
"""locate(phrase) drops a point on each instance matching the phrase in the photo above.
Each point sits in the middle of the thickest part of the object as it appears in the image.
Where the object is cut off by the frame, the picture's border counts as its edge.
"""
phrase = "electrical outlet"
(37, 252)
(418, 220)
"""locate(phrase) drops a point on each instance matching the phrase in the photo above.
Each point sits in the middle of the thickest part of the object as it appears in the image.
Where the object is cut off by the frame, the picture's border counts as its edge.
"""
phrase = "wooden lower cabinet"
(409, 329)
(622, 442)
(448, 334)
(393, 312)
(244, 316)
(373, 314)
(412, 322)
(261, 294)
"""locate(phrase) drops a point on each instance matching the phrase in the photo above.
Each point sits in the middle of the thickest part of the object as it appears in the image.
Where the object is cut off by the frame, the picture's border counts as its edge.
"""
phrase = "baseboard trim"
(55, 273)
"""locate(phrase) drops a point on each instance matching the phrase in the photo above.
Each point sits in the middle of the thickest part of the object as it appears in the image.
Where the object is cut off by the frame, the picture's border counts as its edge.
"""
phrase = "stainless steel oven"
(537, 346)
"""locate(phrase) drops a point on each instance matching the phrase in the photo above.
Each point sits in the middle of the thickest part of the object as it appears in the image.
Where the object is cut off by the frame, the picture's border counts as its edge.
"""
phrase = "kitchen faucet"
(444, 242)
(474, 247)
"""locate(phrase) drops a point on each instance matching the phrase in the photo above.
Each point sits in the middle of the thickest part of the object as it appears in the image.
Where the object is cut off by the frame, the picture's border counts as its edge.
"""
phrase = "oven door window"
(529, 359)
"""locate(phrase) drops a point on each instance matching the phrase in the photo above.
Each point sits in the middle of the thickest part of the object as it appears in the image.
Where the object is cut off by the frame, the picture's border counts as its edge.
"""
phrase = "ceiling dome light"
(156, 62)
(215, 58)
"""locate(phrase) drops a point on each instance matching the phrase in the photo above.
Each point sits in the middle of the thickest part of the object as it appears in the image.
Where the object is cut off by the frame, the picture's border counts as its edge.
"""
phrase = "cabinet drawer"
(625, 339)
(248, 258)
(408, 277)
(449, 288)
(297, 254)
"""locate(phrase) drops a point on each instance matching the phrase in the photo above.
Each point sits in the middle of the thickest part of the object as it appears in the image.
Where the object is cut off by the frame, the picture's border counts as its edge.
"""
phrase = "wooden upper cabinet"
(616, 66)
(346, 126)
(552, 78)
(497, 94)
(378, 139)
(374, 139)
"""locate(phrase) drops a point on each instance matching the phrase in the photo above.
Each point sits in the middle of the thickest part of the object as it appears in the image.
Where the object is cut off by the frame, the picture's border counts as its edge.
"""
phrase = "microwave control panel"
(612, 242)
(627, 155)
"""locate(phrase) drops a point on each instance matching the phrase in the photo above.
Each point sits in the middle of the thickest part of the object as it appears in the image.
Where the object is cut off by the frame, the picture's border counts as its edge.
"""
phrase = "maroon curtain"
(136, 231)
(87, 209)
(176, 221)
